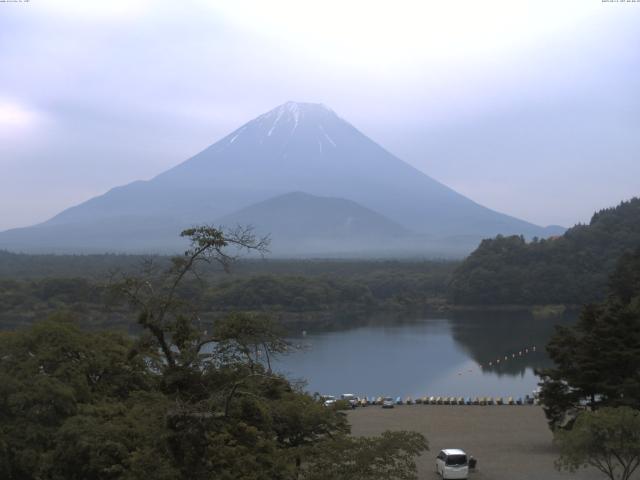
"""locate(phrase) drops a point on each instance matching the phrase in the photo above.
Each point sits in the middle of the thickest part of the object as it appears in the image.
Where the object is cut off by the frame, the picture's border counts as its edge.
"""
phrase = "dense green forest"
(571, 269)
(312, 291)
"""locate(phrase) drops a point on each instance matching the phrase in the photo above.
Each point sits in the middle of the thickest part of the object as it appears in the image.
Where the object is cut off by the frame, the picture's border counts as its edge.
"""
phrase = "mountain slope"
(298, 222)
(571, 269)
(297, 147)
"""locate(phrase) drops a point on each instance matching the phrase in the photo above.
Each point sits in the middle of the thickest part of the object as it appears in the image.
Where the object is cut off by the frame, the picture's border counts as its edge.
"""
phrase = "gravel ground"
(509, 442)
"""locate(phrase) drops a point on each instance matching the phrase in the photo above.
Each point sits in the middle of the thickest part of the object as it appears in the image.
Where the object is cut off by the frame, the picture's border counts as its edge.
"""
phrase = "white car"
(452, 463)
(387, 402)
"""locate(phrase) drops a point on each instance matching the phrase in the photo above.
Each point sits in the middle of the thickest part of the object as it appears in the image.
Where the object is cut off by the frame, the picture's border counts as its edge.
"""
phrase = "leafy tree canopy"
(608, 439)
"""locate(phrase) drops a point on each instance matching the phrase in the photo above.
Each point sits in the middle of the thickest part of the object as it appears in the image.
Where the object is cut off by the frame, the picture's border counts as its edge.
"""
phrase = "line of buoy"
(491, 363)
(506, 358)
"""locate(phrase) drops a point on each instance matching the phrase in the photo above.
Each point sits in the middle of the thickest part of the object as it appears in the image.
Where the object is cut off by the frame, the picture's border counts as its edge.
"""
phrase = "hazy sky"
(529, 107)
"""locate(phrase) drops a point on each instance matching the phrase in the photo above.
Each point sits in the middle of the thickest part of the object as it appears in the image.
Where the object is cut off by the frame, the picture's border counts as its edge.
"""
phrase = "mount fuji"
(298, 172)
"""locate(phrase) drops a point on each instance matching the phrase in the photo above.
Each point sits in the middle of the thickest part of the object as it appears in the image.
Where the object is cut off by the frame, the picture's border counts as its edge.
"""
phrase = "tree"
(388, 456)
(607, 439)
(597, 362)
(64, 398)
(173, 323)
(253, 338)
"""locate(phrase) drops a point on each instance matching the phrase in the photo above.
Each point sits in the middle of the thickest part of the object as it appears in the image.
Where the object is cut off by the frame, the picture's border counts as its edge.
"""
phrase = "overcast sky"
(528, 107)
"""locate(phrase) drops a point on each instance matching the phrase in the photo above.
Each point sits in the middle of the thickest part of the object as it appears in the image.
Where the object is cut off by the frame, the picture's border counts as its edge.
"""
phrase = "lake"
(471, 354)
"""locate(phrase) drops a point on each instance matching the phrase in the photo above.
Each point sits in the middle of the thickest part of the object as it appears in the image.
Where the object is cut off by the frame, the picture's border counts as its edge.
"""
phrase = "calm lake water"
(456, 356)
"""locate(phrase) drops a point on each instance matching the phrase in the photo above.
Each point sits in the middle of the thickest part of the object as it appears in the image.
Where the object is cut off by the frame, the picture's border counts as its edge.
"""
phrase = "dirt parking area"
(509, 442)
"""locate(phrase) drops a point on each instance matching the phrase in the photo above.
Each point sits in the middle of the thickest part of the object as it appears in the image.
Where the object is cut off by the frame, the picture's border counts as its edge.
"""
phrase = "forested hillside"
(33, 287)
(571, 269)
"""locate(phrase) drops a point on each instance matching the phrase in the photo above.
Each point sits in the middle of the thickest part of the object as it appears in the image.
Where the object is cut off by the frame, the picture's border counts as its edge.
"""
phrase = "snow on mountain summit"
(279, 125)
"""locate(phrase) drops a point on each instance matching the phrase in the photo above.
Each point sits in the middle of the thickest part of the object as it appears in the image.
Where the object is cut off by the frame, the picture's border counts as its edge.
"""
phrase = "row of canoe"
(526, 400)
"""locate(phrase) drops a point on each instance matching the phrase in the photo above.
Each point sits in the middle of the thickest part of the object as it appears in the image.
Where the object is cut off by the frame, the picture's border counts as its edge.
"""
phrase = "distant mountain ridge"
(296, 147)
(303, 223)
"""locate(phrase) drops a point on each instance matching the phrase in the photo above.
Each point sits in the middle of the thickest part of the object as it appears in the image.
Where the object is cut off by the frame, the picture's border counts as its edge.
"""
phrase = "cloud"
(406, 34)
(95, 11)
(17, 119)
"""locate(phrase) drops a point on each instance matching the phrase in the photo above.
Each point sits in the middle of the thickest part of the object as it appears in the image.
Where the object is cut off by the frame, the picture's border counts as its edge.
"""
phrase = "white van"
(452, 463)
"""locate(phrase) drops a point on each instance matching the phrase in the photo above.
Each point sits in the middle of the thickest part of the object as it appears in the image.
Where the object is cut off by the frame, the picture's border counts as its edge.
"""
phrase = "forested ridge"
(81, 286)
(571, 269)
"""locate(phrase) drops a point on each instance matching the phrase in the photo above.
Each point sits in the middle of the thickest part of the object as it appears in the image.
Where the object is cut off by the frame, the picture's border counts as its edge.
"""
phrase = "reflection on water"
(426, 357)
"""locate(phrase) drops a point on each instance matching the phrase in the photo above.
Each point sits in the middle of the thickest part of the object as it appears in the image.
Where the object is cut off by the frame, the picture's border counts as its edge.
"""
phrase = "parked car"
(387, 402)
(351, 398)
(328, 400)
(452, 463)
